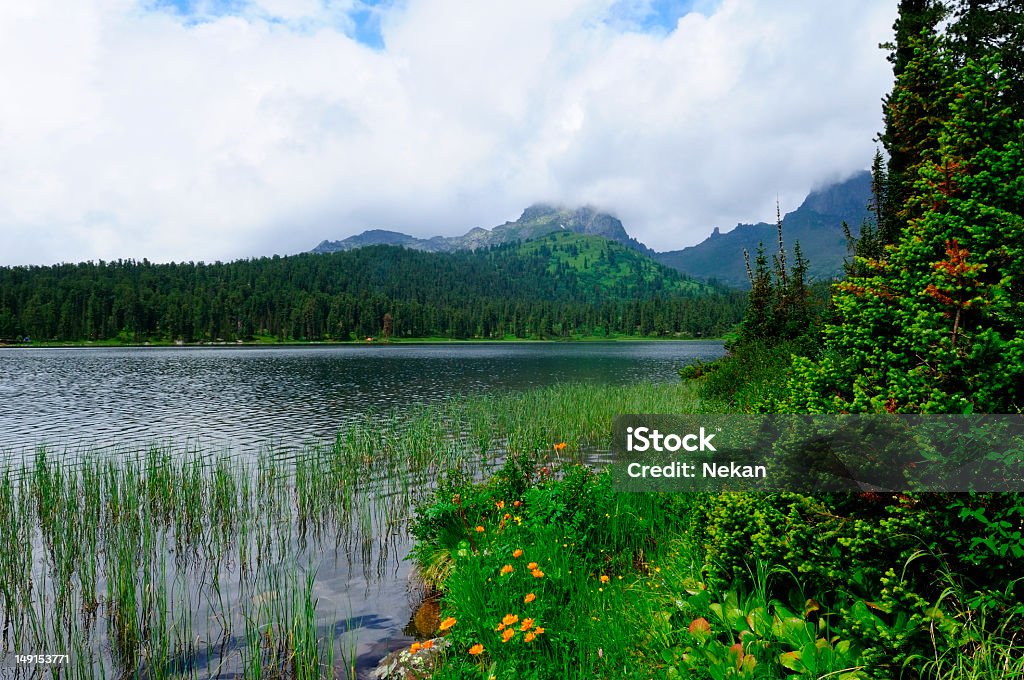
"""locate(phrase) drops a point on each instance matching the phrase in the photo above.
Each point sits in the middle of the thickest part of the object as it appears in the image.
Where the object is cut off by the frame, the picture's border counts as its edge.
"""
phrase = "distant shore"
(352, 343)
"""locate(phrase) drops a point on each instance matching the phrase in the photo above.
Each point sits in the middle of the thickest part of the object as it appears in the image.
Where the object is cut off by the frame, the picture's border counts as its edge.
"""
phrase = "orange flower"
(516, 504)
(537, 573)
(530, 637)
(507, 569)
(531, 565)
(527, 625)
(447, 623)
(560, 446)
(500, 627)
(500, 505)
(479, 529)
(539, 631)
(529, 598)
(427, 644)
(476, 649)
(505, 517)
(507, 635)
(415, 647)
(518, 552)
(604, 579)
(509, 619)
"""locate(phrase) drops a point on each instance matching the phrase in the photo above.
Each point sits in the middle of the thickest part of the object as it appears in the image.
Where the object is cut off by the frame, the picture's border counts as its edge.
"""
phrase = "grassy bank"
(160, 563)
(163, 563)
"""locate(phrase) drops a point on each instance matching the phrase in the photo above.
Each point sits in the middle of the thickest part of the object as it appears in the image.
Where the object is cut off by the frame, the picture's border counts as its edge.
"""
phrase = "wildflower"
(507, 569)
(530, 637)
(508, 634)
(518, 552)
(527, 625)
(531, 565)
(529, 598)
(604, 578)
(600, 590)
(510, 619)
(505, 517)
(447, 623)
(500, 505)
(427, 644)
(518, 519)
(516, 504)
(415, 647)
(539, 631)
(560, 446)
(500, 627)
(476, 649)
(537, 573)
(479, 529)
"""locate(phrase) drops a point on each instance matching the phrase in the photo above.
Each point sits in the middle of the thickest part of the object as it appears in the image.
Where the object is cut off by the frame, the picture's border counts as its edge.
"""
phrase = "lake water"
(244, 398)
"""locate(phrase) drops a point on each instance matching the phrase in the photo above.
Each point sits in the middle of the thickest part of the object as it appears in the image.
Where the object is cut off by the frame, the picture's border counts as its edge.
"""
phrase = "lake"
(246, 399)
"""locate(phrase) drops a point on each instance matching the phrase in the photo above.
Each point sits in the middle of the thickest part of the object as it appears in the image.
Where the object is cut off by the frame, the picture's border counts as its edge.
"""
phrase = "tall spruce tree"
(939, 325)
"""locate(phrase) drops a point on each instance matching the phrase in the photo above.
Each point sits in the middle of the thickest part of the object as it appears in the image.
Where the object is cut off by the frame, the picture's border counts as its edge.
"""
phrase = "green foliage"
(533, 290)
(937, 325)
(753, 377)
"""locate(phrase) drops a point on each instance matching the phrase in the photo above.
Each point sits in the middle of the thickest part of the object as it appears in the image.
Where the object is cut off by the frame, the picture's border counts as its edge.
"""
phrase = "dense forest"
(560, 286)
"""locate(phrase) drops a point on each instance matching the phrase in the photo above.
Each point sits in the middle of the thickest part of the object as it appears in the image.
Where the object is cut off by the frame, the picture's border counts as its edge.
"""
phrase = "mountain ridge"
(816, 224)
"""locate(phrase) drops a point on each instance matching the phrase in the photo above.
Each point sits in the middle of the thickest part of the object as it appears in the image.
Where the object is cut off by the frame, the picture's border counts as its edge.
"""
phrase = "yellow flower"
(518, 552)
(447, 623)
(529, 598)
(509, 619)
(518, 519)
(507, 635)
(507, 569)
(531, 565)
(530, 637)
(415, 647)
(604, 579)
(476, 649)
(527, 625)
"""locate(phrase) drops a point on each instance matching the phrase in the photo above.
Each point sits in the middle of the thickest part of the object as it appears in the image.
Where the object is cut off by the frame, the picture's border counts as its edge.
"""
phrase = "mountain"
(536, 221)
(816, 224)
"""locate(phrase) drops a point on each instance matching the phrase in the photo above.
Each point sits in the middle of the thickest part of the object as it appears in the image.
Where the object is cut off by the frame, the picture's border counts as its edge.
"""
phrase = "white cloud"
(130, 133)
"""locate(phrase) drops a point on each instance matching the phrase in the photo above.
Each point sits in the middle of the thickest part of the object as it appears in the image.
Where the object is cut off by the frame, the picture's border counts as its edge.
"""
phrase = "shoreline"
(104, 344)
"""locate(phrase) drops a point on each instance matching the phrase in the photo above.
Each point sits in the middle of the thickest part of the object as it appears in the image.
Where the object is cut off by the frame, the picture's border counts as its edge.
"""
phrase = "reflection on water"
(243, 398)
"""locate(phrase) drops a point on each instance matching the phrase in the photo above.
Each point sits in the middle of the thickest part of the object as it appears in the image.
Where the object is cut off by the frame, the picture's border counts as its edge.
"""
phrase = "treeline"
(374, 291)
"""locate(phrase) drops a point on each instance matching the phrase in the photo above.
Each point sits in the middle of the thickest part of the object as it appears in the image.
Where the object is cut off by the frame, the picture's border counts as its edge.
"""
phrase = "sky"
(203, 130)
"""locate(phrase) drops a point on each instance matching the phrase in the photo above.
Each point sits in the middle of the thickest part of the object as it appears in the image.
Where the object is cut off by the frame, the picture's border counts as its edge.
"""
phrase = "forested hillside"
(559, 286)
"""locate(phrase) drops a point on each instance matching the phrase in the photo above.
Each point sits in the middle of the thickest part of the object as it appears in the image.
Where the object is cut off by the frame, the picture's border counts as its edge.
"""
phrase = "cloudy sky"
(220, 129)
